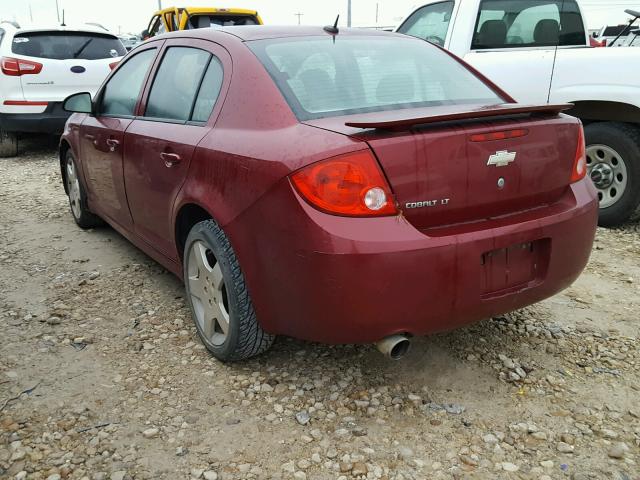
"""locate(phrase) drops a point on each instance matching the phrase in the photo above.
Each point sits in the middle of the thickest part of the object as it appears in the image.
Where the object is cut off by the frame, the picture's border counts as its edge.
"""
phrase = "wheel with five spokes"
(77, 196)
(216, 292)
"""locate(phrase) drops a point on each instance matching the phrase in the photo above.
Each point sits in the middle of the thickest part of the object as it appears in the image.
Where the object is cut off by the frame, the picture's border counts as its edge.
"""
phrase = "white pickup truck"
(538, 52)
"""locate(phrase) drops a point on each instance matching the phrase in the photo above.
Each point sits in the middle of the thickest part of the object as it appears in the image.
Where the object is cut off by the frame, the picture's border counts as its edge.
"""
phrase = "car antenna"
(63, 24)
(332, 29)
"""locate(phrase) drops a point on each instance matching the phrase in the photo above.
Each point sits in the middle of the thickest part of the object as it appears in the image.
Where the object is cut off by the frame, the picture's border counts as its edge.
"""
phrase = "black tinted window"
(176, 83)
(207, 21)
(528, 23)
(122, 90)
(209, 91)
(67, 45)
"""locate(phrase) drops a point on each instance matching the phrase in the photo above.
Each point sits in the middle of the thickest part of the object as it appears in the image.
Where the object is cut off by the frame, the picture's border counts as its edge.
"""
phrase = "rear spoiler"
(395, 120)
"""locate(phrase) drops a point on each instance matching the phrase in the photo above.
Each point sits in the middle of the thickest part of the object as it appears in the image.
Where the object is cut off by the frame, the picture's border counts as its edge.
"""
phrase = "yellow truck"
(186, 18)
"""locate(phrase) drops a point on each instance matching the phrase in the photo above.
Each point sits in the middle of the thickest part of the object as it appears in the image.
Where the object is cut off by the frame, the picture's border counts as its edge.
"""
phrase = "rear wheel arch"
(187, 217)
(64, 148)
(605, 111)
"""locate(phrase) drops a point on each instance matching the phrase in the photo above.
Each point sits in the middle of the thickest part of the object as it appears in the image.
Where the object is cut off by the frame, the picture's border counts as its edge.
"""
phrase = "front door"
(160, 144)
(102, 138)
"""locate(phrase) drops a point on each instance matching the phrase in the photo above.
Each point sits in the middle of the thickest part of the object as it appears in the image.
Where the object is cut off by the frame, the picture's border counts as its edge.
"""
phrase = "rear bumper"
(52, 120)
(343, 280)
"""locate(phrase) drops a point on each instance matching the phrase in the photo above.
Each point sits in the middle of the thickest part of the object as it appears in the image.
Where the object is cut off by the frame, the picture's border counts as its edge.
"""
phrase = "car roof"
(263, 32)
(44, 27)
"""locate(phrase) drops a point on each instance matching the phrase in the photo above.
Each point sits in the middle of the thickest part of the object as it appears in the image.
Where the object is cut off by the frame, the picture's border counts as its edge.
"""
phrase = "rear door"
(72, 62)
(179, 108)
(102, 137)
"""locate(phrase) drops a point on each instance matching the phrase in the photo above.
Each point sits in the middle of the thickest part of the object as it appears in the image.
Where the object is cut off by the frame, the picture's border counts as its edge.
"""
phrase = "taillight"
(113, 65)
(15, 67)
(350, 185)
(580, 163)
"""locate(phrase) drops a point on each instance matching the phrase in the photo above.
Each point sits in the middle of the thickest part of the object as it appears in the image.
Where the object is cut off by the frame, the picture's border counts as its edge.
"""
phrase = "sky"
(133, 15)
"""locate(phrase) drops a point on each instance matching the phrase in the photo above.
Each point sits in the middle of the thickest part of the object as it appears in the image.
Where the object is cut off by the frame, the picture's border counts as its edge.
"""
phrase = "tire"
(218, 296)
(614, 147)
(8, 144)
(77, 195)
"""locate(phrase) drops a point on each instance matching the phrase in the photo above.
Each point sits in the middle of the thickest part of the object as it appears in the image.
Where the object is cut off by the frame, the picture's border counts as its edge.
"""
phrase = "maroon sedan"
(350, 186)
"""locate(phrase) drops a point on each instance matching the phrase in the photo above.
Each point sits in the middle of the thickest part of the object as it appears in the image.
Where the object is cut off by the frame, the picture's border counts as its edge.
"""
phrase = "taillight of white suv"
(15, 67)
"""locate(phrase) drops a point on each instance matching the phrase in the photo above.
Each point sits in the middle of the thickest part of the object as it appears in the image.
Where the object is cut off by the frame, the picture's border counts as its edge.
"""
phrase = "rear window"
(207, 21)
(322, 77)
(67, 45)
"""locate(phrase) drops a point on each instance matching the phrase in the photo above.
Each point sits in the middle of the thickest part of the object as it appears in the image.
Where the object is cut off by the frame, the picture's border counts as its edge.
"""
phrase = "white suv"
(40, 67)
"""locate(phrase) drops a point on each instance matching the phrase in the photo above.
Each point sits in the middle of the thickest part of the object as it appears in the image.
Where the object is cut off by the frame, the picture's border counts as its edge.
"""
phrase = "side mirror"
(78, 103)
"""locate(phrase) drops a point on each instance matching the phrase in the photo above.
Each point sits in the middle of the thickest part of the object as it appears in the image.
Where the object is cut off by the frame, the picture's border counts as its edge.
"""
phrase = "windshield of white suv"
(67, 45)
(322, 76)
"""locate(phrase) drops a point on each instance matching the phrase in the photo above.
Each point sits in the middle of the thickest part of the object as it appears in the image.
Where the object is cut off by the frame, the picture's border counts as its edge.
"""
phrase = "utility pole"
(348, 13)
(30, 13)
(159, 4)
(299, 15)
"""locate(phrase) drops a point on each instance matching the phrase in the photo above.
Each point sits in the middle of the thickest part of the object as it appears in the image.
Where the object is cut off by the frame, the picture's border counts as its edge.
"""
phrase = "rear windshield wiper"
(81, 49)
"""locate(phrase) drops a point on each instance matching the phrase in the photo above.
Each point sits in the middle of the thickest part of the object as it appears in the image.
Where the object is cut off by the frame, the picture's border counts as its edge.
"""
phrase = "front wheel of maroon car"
(77, 196)
(220, 303)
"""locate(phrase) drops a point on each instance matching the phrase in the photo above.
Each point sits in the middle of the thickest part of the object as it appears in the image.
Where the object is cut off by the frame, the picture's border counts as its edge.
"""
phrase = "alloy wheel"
(73, 187)
(208, 293)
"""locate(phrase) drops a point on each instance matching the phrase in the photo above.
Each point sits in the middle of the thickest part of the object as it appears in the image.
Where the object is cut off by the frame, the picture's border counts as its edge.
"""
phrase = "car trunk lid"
(454, 164)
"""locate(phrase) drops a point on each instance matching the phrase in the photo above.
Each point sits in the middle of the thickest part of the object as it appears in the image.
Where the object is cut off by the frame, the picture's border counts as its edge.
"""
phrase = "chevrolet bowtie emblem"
(502, 158)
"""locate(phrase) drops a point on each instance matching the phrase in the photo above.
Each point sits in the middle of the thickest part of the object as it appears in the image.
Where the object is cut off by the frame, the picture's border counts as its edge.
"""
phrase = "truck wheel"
(8, 144)
(220, 303)
(613, 163)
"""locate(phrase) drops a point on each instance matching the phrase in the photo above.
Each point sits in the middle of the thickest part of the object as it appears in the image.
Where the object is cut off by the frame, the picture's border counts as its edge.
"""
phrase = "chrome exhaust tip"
(395, 346)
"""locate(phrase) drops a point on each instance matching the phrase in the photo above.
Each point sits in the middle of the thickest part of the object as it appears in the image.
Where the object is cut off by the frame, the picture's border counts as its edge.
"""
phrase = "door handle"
(170, 159)
(113, 144)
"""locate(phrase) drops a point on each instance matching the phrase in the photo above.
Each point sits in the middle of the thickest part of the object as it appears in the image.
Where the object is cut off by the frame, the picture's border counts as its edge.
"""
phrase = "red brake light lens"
(580, 163)
(15, 67)
(350, 185)
(504, 135)
(114, 65)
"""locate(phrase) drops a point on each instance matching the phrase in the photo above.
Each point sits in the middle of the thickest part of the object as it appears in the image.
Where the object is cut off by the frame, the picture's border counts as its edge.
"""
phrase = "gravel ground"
(102, 375)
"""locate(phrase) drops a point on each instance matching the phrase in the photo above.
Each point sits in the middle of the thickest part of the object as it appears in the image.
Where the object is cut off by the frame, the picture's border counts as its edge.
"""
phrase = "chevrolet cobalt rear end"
(341, 187)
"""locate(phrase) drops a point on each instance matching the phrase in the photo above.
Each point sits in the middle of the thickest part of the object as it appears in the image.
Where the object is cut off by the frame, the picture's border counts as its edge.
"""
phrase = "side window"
(123, 89)
(1, 35)
(431, 22)
(176, 83)
(209, 91)
(572, 31)
(520, 23)
(157, 27)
